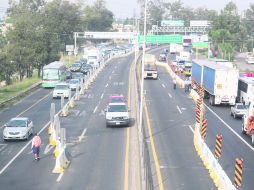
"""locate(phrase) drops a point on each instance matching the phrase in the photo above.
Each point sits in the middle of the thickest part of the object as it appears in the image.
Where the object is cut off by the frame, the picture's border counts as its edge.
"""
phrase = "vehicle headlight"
(5, 132)
(125, 117)
(108, 118)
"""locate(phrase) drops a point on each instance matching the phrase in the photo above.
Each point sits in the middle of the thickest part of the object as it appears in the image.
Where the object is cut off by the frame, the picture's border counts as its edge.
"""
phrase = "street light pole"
(157, 30)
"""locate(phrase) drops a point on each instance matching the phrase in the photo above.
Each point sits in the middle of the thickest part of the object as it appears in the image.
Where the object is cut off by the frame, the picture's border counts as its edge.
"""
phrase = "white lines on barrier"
(179, 109)
(163, 85)
(169, 95)
(106, 85)
(82, 134)
(232, 130)
(102, 95)
(59, 177)
(95, 109)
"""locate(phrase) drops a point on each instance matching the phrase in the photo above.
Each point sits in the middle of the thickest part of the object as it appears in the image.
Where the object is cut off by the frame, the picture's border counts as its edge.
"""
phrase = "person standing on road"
(174, 81)
(36, 144)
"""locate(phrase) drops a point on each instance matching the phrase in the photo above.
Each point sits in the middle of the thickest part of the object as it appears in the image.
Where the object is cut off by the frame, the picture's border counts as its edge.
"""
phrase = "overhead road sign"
(162, 39)
(199, 23)
(105, 35)
(200, 45)
(172, 23)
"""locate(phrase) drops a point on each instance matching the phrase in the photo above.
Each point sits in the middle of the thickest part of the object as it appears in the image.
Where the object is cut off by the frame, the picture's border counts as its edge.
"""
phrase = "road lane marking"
(232, 130)
(21, 150)
(179, 109)
(163, 85)
(95, 109)
(113, 72)
(106, 85)
(191, 129)
(155, 157)
(159, 78)
(59, 177)
(169, 95)
(33, 105)
(102, 95)
(82, 134)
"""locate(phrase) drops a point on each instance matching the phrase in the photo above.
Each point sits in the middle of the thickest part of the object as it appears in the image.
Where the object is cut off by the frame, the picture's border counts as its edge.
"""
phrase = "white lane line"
(59, 177)
(169, 95)
(191, 129)
(113, 72)
(232, 130)
(106, 85)
(102, 95)
(95, 109)
(163, 85)
(82, 134)
(159, 78)
(179, 109)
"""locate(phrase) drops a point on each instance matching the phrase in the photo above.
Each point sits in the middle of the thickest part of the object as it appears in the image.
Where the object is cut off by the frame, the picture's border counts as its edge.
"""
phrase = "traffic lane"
(232, 147)
(236, 124)
(173, 137)
(40, 117)
(101, 152)
(22, 105)
(48, 168)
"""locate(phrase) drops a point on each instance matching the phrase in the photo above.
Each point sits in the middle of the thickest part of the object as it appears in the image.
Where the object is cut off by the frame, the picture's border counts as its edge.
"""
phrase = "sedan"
(18, 128)
(61, 89)
(74, 84)
(239, 110)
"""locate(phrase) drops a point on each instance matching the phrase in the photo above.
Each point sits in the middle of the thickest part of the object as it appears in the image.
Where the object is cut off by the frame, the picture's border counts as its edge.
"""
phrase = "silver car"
(18, 128)
(74, 84)
(239, 110)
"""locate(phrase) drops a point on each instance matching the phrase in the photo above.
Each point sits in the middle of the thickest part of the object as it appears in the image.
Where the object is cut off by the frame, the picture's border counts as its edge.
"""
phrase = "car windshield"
(17, 123)
(117, 108)
(61, 87)
(50, 74)
(117, 99)
(76, 64)
(240, 107)
(74, 82)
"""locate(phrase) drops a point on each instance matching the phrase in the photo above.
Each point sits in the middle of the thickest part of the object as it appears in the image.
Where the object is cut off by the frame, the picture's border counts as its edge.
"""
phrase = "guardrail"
(20, 95)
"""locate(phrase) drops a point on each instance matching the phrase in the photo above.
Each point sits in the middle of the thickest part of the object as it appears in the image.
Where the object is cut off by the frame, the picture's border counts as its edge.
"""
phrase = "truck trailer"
(220, 82)
(150, 68)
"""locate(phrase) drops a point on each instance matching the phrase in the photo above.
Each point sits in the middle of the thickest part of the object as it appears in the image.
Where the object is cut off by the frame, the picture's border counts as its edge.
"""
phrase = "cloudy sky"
(126, 8)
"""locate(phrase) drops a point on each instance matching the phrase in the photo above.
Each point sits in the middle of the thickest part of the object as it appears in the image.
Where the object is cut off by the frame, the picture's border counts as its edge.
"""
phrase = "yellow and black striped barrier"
(218, 146)
(201, 92)
(238, 172)
(197, 115)
(204, 128)
(198, 105)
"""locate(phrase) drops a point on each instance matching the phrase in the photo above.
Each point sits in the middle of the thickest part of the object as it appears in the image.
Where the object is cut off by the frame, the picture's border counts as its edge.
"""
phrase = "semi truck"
(220, 82)
(150, 68)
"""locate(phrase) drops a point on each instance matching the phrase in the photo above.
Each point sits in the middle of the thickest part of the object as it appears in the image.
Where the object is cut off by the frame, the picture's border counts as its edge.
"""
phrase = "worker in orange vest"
(36, 144)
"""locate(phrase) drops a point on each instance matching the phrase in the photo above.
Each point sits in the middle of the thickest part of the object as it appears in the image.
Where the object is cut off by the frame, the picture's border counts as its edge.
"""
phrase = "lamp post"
(157, 30)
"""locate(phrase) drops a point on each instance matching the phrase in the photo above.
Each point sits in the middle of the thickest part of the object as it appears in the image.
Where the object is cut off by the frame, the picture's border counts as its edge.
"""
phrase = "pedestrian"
(36, 144)
(174, 81)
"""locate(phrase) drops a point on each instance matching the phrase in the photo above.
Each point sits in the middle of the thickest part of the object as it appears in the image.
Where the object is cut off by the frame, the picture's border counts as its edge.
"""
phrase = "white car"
(61, 89)
(74, 84)
(18, 128)
(117, 114)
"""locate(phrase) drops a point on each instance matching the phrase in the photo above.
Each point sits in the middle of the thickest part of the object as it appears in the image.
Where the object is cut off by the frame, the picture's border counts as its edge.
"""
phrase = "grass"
(16, 88)
(68, 60)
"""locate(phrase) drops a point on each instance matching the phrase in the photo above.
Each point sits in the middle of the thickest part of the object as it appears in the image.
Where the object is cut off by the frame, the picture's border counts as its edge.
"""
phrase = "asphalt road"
(97, 153)
(171, 114)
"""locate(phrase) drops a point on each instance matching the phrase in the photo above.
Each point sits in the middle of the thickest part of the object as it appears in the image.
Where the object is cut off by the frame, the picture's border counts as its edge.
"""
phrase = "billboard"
(199, 23)
(172, 23)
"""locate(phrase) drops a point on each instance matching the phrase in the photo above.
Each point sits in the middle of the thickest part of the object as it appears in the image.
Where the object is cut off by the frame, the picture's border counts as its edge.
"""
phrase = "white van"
(94, 57)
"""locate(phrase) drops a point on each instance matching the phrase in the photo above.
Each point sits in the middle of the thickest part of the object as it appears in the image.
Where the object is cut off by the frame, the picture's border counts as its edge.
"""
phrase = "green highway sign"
(200, 45)
(161, 39)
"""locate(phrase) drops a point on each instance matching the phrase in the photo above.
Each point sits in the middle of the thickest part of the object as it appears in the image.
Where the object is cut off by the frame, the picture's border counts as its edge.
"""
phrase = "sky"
(126, 8)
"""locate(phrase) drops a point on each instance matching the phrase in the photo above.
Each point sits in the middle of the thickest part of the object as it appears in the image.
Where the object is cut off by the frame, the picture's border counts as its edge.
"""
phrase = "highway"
(171, 116)
(97, 153)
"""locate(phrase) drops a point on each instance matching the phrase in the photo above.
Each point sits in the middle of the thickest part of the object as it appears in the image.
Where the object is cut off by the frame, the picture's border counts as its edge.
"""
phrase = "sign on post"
(154, 39)
(69, 48)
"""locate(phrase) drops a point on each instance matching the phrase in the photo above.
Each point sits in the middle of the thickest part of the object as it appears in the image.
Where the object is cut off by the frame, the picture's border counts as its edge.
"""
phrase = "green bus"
(53, 73)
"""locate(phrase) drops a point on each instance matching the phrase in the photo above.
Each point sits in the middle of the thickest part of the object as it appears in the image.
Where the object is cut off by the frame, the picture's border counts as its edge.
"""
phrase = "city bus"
(53, 73)
(245, 89)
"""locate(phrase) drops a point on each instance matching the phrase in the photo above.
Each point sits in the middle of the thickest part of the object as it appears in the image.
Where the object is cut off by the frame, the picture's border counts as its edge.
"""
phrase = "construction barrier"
(238, 172)
(218, 146)
(197, 115)
(204, 128)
